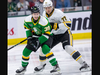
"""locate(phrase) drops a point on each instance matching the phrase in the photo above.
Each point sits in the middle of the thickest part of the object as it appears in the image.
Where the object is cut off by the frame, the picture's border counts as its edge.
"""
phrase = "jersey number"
(47, 28)
(64, 21)
(64, 18)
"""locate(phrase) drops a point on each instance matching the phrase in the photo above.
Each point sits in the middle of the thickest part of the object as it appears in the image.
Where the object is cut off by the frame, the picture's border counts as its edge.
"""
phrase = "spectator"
(11, 6)
(40, 5)
(87, 2)
(32, 3)
(62, 3)
(77, 3)
(90, 1)
(54, 3)
(23, 5)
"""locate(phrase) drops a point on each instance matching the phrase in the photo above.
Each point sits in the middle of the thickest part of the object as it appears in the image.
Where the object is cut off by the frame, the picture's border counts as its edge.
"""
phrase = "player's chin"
(48, 12)
(36, 18)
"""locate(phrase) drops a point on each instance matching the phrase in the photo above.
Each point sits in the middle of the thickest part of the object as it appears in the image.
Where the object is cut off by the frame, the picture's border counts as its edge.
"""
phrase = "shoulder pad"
(28, 18)
(43, 21)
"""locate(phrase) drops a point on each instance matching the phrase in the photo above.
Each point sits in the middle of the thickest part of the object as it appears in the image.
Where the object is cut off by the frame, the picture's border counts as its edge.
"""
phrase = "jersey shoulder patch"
(58, 11)
(28, 18)
(43, 21)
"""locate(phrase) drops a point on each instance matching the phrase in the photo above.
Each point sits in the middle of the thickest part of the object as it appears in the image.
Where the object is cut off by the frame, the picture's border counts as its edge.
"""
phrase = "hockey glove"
(54, 26)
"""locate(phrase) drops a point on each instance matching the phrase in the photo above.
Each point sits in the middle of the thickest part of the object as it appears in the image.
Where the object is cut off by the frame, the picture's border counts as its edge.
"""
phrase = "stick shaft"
(17, 44)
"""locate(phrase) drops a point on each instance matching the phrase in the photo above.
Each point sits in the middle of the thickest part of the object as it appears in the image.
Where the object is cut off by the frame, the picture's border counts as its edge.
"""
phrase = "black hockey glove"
(33, 44)
(54, 26)
(30, 37)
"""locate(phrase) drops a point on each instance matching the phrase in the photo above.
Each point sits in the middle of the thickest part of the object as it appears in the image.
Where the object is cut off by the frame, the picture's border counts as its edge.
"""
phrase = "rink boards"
(81, 27)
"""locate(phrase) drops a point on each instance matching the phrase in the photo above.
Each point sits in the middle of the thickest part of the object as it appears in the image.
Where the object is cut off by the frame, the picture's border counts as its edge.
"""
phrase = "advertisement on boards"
(12, 28)
(81, 21)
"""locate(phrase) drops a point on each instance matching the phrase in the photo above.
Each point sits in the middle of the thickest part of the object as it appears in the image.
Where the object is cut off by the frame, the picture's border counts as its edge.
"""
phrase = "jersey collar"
(48, 15)
(36, 22)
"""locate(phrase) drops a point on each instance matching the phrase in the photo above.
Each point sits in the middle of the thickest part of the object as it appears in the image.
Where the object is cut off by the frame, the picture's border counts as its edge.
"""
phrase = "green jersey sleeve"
(26, 26)
(46, 33)
(28, 31)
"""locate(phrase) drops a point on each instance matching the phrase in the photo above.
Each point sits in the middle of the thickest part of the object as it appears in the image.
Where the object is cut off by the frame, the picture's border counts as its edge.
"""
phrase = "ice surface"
(67, 64)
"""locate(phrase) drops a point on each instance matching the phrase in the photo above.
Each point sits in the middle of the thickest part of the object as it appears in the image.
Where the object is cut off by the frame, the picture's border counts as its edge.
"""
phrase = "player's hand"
(29, 38)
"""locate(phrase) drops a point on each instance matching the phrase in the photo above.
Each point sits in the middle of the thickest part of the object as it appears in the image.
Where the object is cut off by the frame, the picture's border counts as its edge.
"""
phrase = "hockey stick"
(17, 44)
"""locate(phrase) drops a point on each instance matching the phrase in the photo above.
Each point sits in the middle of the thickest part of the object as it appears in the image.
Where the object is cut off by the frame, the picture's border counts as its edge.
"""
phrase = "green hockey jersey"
(42, 26)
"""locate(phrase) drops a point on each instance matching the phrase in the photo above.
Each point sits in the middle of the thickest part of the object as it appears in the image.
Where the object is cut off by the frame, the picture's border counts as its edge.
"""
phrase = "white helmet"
(47, 3)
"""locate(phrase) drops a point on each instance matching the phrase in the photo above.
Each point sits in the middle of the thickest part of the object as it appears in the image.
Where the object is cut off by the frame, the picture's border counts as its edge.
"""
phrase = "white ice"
(67, 64)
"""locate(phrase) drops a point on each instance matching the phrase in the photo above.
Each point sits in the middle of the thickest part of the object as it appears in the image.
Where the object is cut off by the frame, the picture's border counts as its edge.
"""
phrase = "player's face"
(48, 9)
(36, 16)
(41, 0)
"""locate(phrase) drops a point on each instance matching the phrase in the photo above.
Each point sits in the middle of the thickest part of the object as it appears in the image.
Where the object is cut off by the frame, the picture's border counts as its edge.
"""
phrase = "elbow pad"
(44, 37)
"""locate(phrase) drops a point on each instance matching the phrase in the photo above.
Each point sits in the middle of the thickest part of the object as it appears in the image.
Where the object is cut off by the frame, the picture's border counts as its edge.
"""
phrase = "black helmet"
(35, 9)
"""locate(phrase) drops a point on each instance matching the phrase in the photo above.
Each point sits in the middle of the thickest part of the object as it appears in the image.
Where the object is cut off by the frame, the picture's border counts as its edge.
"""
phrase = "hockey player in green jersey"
(38, 33)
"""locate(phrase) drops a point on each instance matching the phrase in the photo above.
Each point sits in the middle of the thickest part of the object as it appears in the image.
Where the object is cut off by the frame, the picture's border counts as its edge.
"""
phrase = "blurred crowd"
(20, 5)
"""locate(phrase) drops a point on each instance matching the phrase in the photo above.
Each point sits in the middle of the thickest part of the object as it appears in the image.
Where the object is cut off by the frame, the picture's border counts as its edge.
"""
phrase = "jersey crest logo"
(30, 24)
